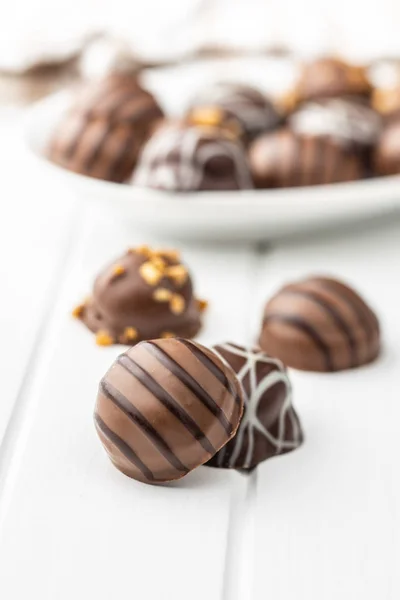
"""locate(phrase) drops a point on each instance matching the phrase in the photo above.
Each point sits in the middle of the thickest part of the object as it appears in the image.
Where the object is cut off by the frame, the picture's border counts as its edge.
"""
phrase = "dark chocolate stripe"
(177, 369)
(123, 448)
(166, 400)
(337, 318)
(309, 331)
(115, 170)
(96, 149)
(72, 147)
(361, 311)
(140, 420)
(211, 366)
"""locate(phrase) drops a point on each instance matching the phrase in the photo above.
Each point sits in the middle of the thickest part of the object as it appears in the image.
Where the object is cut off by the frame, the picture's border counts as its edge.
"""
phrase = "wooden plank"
(72, 524)
(327, 516)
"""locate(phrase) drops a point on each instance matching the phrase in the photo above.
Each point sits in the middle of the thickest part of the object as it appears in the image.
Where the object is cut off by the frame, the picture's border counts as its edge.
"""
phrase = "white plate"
(246, 215)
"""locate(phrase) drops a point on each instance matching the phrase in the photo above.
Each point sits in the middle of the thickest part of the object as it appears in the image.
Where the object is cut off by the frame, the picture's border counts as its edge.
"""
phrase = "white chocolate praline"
(257, 391)
(193, 147)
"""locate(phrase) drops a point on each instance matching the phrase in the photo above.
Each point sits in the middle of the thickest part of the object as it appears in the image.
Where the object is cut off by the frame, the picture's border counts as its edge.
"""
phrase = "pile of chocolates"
(168, 405)
(332, 126)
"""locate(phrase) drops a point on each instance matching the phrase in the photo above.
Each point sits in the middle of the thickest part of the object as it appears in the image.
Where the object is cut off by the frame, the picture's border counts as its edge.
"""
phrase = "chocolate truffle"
(182, 157)
(320, 324)
(387, 151)
(104, 130)
(145, 294)
(242, 107)
(286, 159)
(165, 407)
(329, 77)
(350, 122)
(270, 425)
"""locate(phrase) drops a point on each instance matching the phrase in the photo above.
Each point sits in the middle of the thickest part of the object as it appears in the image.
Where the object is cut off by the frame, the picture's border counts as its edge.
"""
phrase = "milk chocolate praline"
(284, 158)
(165, 407)
(144, 294)
(270, 425)
(105, 128)
(328, 77)
(320, 324)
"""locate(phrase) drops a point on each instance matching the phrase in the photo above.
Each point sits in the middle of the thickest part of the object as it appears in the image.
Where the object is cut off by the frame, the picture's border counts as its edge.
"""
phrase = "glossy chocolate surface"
(328, 77)
(145, 294)
(286, 159)
(165, 407)
(320, 324)
(270, 425)
(104, 130)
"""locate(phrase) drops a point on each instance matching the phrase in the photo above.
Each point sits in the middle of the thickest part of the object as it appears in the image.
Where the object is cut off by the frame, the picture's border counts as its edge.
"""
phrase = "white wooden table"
(322, 523)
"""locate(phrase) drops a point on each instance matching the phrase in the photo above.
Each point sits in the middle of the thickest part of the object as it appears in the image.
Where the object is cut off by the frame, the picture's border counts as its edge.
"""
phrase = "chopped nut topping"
(202, 305)
(78, 311)
(168, 334)
(150, 273)
(206, 115)
(162, 295)
(118, 270)
(170, 254)
(177, 304)
(158, 262)
(103, 338)
(130, 334)
(145, 250)
(178, 274)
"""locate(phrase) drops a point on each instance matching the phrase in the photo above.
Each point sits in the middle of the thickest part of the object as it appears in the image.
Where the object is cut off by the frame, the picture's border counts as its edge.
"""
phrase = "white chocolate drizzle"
(257, 390)
(174, 160)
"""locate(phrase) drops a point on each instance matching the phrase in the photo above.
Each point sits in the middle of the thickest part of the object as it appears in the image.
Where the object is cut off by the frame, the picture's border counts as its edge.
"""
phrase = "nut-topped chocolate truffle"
(105, 128)
(145, 294)
(181, 157)
(320, 324)
(286, 159)
(165, 407)
(242, 107)
(328, 77)
(270, 425)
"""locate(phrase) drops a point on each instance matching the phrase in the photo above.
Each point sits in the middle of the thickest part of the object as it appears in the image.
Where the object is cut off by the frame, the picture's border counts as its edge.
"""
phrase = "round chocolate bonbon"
(286, 159)
(320, 324)
(269, 426)
(145, 294)
(328, 77)
(105, 128)
(240, 106)
(181, 157)
(165, 407)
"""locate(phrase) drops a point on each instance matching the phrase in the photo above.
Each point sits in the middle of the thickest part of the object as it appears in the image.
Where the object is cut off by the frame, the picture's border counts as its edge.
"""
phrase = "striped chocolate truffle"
(320, 324)
(269, 426)
(287, 159)
(165, 407)
(105, 128)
